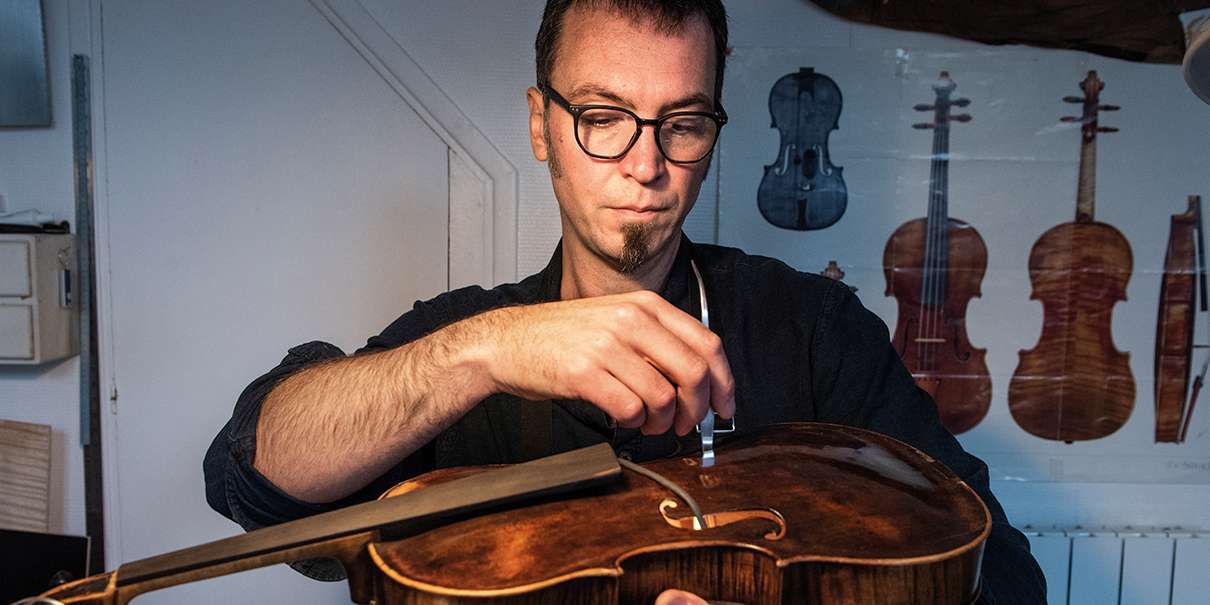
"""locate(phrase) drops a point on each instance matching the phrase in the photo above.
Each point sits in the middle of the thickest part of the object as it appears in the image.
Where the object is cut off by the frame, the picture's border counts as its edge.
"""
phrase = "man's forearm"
(328, 430)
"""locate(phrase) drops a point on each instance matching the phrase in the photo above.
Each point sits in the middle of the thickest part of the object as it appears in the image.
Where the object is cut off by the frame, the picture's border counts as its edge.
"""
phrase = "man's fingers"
(611, 395)
(680, 363)
(694, 397)
(665, 370)
(705, 344)
(679, 597)
(659, 396)
(686, 419)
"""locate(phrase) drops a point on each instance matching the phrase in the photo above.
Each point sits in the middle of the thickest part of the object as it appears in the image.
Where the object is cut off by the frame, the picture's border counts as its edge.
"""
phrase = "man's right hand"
(329, 429)
(635, 356)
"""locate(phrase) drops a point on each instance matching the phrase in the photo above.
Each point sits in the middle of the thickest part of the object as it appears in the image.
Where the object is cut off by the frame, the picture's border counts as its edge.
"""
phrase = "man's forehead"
(598, 40)
(605, 92)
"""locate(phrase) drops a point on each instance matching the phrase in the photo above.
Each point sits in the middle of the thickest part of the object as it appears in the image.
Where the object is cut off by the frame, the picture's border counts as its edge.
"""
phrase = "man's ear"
(537, 121)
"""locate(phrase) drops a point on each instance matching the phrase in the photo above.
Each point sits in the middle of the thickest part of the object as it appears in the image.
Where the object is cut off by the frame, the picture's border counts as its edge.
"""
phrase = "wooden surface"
(344, 534)
(856, 506)
(1174, 326)
(796, 513)
(954, 372)
(1123, 29)
(933, 267)
(1075, 385)
(563, 472)
(24, 475)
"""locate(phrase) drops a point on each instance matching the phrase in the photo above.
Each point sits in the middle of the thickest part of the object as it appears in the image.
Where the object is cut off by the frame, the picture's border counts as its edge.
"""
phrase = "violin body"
(1174, 326)
(802, 190)
(933, 267)
(931, 339)
(798, 513)
(1075, 385)
(805, 513)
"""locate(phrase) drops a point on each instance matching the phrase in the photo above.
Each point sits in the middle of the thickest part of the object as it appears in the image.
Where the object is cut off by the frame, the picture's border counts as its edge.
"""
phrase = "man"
(605, 343)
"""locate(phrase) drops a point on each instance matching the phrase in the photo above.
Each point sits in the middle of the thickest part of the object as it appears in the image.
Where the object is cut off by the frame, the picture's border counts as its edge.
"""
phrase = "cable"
(674, 488)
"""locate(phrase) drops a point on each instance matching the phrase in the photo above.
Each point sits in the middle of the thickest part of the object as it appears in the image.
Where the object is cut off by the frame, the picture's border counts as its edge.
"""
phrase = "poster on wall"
(1021, 220)
(24, 75)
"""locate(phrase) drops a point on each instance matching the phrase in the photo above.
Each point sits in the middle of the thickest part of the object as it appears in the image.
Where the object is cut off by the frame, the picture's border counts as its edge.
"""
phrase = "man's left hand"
(679, 597)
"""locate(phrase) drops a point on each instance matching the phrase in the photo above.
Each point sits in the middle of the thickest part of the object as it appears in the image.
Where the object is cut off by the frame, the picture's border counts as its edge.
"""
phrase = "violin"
(1074, 384)
(833, 271)
(1184, 263)
(792, 513)
(802, 190)
(933, 267)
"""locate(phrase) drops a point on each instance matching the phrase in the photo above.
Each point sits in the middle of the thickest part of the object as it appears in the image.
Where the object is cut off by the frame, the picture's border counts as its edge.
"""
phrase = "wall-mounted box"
(38, 321)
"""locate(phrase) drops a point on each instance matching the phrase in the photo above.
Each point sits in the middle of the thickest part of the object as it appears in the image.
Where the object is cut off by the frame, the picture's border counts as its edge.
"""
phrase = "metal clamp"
(707, 428)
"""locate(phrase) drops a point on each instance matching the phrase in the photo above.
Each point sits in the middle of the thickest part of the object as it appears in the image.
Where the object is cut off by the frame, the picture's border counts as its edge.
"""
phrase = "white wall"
(265, 187)
(486, 79)
(36, 173)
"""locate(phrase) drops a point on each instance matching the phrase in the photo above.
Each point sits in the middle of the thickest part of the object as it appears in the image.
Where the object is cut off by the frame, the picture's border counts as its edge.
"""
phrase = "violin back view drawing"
(1075, 385)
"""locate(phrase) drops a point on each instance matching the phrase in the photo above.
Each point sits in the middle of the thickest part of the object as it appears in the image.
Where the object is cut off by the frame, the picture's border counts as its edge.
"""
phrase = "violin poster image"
(802, 190)
(934, 266)
(1182, 296)
(833, 271)
(1084, 312)
(1075, 384)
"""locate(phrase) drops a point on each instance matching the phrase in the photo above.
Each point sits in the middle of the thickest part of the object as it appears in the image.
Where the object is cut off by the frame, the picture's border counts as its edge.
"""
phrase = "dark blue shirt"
(801, 348)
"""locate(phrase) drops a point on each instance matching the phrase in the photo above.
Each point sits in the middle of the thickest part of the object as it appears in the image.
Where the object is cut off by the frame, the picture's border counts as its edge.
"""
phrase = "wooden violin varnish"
(1075, 385)
(934, 266)
(802, 513)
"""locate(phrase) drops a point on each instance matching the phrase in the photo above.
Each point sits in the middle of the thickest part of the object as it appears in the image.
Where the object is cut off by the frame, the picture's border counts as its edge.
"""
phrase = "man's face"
(632, 208)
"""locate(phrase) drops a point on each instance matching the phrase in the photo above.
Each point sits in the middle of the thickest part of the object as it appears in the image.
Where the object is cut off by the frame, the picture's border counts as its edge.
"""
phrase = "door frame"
(482, 195)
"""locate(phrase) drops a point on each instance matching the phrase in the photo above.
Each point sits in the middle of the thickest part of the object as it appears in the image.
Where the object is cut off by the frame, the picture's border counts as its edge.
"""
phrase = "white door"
(265, 188)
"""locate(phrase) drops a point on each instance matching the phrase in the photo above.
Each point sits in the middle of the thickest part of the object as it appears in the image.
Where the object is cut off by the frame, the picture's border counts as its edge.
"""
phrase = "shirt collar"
(676, 288)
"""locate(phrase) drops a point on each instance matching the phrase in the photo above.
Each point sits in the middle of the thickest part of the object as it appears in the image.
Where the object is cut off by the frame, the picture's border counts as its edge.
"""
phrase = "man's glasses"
(607, 132)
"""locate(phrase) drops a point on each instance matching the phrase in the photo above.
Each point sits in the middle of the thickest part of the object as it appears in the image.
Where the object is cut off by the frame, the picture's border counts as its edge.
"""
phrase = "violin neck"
(1086, 193)
(343, 534)
(936, 247)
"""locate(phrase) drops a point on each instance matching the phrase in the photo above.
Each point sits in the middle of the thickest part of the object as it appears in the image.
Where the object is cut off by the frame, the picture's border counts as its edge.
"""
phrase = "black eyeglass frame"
(719, 116)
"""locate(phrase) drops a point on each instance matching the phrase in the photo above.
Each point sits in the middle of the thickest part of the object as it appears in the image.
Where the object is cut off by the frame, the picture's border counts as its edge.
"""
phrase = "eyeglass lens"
(609, 133)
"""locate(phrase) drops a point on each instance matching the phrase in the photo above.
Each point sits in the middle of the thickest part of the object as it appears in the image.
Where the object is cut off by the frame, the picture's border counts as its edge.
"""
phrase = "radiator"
(1123, 566)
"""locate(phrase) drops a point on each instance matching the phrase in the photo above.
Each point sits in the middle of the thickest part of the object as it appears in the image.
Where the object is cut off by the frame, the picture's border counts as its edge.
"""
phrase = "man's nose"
(644, 162)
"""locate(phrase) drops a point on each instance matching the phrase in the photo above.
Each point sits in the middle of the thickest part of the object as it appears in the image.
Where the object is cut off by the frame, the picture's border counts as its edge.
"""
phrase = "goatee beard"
(634, 247)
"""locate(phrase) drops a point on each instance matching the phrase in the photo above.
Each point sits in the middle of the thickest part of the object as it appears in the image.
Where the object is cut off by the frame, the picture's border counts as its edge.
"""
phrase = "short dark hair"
(667, 16)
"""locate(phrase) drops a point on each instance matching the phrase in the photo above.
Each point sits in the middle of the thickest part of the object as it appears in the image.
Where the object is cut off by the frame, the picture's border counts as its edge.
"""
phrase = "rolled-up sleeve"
(233, 486)
(239, 492)
(236, 489)
(859, 380)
